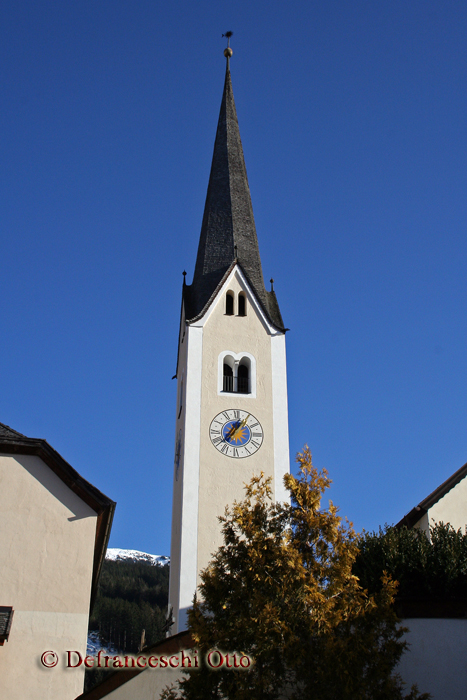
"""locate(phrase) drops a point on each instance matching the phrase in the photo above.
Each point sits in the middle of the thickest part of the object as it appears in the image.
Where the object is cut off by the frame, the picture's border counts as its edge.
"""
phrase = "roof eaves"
(419, 511)
(219, 287)
(168, 646)
(182, 312)
(199, 315)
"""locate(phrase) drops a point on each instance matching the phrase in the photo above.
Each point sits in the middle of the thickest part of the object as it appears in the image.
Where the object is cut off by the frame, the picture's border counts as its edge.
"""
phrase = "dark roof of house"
(228, 232)
(6, 431)
(12, 442)
(169, 646)
(419, 511)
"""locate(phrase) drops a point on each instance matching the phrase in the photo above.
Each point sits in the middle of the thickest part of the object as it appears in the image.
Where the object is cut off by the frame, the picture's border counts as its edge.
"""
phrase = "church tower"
(231, 419)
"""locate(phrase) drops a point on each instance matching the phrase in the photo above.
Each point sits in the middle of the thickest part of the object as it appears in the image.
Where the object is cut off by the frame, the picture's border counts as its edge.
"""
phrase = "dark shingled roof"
(168, 646)
(7, 432)
(228, 232)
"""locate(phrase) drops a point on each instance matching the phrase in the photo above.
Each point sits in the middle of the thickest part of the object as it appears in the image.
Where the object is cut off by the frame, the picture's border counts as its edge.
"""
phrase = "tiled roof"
(228, 231)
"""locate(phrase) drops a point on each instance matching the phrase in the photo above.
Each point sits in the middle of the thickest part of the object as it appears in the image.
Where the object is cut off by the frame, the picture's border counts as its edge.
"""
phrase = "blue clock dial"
(236, 433)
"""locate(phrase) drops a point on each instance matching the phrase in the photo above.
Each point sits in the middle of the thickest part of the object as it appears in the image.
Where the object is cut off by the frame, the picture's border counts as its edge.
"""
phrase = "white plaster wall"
(148, 685)
(210, 481)
(222, 478)
(46, 558)
(436, 657)
(280, 416)
(178, 483)
(190, 477)
(452, 508)
(422, 524)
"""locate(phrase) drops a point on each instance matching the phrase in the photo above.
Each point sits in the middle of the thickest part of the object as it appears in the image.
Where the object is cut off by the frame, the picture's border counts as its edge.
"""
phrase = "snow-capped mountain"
(94, 645)
(115, 554)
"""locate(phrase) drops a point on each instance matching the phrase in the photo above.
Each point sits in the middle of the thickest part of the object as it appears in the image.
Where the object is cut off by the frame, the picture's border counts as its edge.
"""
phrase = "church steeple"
(231, 416)
(228, 232)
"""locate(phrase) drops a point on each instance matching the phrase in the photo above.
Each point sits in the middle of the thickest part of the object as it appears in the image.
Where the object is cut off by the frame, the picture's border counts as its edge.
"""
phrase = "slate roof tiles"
(228, 232)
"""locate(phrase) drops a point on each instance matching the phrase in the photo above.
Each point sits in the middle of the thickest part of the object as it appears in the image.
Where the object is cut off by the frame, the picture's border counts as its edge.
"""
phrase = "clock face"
(236, 433)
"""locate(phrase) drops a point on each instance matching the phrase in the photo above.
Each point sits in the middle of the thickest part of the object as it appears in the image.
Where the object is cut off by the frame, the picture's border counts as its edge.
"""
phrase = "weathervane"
(228, 51)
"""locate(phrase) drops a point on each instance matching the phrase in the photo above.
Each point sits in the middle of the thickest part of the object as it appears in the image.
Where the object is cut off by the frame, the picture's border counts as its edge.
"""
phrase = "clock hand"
(236, 430)
(243, 423)
(231, 432)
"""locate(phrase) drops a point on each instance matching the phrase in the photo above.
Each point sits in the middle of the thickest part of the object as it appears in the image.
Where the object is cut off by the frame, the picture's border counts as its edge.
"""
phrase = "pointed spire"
(228, 231)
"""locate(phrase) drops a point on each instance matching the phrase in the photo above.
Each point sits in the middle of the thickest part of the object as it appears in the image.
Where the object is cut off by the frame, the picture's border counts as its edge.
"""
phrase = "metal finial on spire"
(272, 284)
(228, 51)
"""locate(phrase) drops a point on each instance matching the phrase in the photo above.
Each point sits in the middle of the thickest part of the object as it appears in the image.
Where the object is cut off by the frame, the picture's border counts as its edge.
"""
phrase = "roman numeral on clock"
(231, 440)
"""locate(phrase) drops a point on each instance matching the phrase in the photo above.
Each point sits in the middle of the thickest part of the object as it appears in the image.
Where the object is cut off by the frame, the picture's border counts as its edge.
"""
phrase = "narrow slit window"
(241, 304)
(229, 304)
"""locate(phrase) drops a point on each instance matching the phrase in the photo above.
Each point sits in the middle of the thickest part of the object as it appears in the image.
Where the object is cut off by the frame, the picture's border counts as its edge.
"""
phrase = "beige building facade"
(54, 535)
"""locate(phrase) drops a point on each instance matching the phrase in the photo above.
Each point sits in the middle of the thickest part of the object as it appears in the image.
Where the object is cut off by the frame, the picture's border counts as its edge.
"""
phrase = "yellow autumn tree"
(281, 590)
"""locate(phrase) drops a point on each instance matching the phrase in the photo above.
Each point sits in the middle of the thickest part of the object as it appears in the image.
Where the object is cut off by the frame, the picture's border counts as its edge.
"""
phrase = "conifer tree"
(281, 590)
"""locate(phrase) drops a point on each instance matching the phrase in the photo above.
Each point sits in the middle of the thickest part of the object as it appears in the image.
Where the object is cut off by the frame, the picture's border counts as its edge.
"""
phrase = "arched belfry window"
(242, 304)
(228, 378)
(243, 376)
(237, 374)
(229, 304)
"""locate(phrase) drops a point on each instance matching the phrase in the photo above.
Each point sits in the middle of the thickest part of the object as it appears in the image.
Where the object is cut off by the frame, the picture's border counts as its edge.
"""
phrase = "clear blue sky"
(353, 119)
